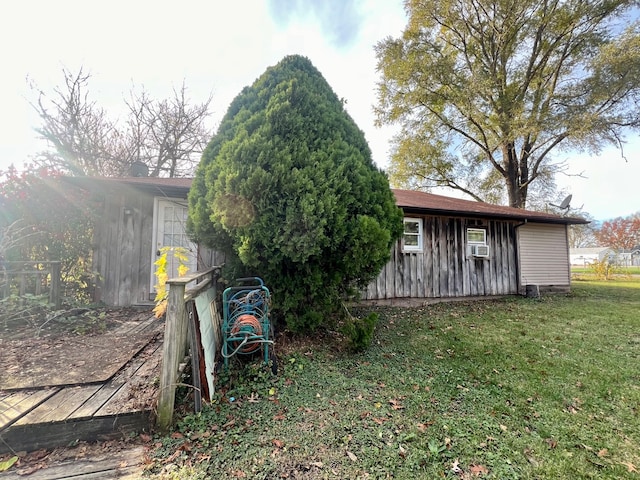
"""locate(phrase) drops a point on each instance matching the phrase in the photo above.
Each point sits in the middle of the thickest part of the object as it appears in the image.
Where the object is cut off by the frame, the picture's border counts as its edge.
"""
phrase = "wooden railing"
(176, 337)
(31, 278)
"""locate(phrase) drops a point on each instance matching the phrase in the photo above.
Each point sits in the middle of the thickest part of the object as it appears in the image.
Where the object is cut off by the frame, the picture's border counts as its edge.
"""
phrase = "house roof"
(167, 187)
(410, 201)
(421, 202)
(589, 250)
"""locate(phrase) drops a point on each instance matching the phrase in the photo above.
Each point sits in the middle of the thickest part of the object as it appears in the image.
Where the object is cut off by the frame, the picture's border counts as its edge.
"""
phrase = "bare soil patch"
(83, 346)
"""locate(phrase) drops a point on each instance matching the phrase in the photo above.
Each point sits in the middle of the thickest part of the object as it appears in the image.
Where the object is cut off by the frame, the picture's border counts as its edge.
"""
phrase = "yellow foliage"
(182, 270)
(162, 276)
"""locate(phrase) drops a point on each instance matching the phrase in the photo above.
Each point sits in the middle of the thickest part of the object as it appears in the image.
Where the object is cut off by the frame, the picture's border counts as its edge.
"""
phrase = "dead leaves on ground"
(472, 471)
(352, 456)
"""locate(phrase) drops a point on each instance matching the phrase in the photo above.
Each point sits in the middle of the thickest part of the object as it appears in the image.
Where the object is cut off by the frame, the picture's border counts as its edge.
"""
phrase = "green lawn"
(510, 389)
(621, 271)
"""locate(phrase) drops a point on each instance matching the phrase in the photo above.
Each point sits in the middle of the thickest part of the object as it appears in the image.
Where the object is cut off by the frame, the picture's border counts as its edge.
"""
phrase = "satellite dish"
(566, 203)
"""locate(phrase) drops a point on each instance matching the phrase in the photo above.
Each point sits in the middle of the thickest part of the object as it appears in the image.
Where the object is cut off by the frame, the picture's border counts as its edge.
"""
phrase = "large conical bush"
(287, 188)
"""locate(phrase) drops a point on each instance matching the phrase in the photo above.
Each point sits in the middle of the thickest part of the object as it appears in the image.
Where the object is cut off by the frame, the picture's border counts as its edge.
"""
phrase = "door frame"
(154, 237)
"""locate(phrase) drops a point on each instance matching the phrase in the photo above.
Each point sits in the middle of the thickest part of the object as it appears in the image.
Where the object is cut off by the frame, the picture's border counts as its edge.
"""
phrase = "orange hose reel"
(250, 326)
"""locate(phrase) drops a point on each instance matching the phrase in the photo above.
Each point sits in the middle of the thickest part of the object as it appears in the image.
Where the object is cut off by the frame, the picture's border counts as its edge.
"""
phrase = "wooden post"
(175, 342)
(173, 349)
(55, 296)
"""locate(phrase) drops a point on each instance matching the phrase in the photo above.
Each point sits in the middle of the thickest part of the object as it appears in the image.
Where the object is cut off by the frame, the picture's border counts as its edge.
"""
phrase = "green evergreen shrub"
(288, 190)
(359, 331)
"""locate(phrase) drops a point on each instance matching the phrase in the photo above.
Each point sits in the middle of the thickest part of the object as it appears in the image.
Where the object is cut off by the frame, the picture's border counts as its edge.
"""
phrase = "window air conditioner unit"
(480, 251)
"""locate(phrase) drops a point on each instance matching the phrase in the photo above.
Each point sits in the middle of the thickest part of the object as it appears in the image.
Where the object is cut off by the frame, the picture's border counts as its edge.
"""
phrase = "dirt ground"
(76, 346)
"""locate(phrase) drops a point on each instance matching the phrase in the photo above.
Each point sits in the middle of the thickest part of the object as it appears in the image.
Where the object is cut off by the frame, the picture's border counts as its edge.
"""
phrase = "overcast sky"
(221, 46)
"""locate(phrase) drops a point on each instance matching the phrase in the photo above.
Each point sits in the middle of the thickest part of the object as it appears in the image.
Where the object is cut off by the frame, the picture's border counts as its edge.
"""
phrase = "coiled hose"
(251, 327)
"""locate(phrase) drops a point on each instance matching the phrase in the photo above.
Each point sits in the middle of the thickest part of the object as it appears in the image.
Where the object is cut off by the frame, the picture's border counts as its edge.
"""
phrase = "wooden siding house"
(451, 247)
(460, 248)
(137, 217)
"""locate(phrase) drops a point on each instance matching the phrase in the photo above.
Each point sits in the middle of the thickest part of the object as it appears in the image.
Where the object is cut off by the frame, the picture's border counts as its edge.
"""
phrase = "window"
(476, 236)
(477, 243)
(412, 237)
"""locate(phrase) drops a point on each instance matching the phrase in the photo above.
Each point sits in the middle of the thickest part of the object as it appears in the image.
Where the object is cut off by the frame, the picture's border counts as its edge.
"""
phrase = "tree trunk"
(516, 175)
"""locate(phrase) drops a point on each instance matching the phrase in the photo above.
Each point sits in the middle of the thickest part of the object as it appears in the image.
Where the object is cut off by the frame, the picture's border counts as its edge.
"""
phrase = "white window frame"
(419, 246)
(477, 230)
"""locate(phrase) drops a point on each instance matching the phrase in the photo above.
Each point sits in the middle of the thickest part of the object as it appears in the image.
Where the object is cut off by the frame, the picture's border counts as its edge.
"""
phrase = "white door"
(170, 218)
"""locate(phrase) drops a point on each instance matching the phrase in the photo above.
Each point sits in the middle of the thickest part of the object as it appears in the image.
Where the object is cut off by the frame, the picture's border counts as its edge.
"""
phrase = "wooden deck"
(50, 417)
(125, 464)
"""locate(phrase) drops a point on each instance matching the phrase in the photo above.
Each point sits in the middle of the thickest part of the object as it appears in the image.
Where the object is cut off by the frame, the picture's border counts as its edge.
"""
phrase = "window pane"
(475, 235)
(411, 241)
(411, 227)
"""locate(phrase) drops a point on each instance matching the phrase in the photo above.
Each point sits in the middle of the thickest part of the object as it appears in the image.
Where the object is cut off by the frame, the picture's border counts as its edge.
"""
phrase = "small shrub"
(604, 269)
(359, 331)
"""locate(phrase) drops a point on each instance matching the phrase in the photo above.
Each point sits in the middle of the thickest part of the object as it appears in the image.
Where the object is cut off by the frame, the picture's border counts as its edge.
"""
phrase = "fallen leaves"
(422, 427)
(474, 470)
(478, 470)
(573, 406)
(7, 464)
(402, 451)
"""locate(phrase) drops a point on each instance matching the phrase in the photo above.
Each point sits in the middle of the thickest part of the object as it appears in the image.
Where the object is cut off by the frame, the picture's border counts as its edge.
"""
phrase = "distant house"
(586, 256)
(450, 248)
(629, 258)
(458, 248)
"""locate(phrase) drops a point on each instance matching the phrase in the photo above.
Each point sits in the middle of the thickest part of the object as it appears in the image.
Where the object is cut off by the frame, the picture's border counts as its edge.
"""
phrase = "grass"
(511, 389)
(619, 270)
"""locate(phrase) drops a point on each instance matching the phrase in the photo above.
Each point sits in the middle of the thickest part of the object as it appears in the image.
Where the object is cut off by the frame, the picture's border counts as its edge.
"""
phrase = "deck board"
(38, 436)
(125, 399)
(135, 328)
(116, 390)
(32, 419)
(58, 407)
(15, 406)
(126, 464)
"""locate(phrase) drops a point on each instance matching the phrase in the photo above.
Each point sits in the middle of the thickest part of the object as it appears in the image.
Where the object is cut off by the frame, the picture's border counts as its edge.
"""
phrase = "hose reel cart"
(246, 327)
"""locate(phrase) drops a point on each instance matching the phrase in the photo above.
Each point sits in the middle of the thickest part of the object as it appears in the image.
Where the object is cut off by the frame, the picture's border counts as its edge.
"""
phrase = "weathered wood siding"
(443, 268)
(122, 248)
(544, 255)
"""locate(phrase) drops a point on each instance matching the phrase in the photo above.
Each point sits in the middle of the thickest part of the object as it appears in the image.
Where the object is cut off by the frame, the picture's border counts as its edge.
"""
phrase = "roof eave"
(500, 216)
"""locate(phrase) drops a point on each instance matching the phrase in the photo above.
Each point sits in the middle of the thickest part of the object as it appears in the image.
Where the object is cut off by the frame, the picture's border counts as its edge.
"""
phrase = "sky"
(219, 47)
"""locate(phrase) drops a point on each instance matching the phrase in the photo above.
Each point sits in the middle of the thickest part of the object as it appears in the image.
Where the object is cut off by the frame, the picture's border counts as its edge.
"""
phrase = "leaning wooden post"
(54, 294)
(173, 349)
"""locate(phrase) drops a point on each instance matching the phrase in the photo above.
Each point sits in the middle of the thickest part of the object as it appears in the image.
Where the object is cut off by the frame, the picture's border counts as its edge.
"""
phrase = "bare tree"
(77, 131)
(582, 235)
(167, 135)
